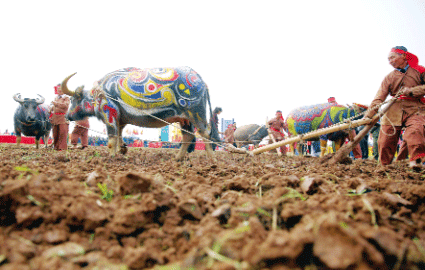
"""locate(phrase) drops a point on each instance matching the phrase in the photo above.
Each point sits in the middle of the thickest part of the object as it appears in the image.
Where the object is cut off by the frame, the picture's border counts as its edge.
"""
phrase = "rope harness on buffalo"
(100, 94)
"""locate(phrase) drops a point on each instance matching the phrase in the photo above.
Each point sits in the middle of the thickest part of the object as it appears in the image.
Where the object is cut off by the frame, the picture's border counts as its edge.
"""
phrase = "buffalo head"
(29, 107)
(81, 101)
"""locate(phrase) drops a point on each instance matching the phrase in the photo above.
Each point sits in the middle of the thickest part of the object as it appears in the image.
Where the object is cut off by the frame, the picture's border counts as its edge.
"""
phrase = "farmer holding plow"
(407, 111)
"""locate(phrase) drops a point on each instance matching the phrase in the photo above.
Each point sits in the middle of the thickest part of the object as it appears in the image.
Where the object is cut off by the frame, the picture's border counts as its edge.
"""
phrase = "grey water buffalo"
(310, 118)
(147, 98)
(31, 118)
(250, 134)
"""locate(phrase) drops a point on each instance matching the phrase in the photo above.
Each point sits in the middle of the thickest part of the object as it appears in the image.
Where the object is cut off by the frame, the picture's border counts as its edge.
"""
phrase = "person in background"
(375, 134)
(81, 131)
(315, 148)
(229, 134)
(407, 79)
(57, 118)
(332, 100)
(277, 126)
(213, 121)
(214, 117)
(364, 144)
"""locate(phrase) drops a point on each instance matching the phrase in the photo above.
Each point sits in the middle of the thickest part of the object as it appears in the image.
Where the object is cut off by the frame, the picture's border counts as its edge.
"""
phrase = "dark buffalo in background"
(31, 118)
(250, 134)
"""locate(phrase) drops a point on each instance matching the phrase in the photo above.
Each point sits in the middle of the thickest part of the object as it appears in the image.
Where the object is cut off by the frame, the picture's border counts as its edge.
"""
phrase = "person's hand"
(406, 91)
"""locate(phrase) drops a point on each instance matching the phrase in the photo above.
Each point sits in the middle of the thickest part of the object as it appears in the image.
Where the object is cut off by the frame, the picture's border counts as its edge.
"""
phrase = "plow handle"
(347, 148)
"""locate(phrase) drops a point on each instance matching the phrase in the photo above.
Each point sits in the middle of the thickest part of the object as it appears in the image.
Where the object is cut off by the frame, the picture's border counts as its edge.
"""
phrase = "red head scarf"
(412, 59)
(281, 117)
(57, 88)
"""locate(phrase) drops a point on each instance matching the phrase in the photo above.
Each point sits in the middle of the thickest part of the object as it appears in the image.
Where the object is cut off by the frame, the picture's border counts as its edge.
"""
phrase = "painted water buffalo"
(31, 118)
(311, 118)
(250, 134)
(147, 98)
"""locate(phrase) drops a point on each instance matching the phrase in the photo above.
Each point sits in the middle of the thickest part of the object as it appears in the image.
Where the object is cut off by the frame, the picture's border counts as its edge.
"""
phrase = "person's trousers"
(278, 137)
(403, 153)
(60, 136)
(80, 132)
(413, 136)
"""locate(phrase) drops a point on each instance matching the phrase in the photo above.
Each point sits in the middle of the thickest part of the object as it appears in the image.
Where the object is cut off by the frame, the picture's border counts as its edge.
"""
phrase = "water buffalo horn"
(41, 99)
(17, 97)
(64, 87)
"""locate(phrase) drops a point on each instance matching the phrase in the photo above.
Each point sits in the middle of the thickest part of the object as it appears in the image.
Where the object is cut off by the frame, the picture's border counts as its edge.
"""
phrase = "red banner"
(24, 140)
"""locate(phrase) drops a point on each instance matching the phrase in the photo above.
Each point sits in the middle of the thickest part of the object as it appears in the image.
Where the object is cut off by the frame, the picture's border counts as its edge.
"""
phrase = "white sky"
(255, 56)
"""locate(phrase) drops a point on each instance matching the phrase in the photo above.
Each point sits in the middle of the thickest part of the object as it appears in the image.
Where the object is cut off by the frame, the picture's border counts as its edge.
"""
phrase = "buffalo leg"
(186, 140)
(293, 148)
(18, 140)
(113, 138)
(338, 143)
(112, 145)
(45, 139)
(122, 147)
(323, 146)
(300, 149)
(208, 145)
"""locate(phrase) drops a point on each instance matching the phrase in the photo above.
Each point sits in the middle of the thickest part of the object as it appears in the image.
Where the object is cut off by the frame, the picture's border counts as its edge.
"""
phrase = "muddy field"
(81, 209)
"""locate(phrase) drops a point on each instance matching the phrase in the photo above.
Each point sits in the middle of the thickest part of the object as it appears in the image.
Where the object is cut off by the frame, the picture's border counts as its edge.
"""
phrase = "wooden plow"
(311, 135)
(342, 152)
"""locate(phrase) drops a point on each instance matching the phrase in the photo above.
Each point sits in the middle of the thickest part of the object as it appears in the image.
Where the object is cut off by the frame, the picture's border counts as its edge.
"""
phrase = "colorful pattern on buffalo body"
(43, 112)
(156, 87)
(109, 110)
(310, 118)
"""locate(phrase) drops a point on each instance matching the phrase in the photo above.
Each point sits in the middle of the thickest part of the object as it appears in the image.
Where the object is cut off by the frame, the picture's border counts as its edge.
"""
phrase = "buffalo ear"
(79, 91)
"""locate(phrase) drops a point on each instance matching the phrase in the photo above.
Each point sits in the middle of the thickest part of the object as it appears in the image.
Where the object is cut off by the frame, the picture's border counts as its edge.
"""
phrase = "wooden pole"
(347, 148)
(312, 135)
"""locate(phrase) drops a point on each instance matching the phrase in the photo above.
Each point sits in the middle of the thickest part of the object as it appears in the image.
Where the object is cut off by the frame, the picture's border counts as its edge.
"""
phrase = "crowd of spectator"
(129, 141)
(133, 142)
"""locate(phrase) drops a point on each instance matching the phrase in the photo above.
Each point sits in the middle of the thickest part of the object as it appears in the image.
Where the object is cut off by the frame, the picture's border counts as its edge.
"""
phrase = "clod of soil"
(83, 209)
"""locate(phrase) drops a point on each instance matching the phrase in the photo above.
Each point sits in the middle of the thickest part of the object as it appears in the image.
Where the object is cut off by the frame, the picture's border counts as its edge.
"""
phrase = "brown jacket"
(277, 124)
(229, 135)
(391, 84)
(59, 111)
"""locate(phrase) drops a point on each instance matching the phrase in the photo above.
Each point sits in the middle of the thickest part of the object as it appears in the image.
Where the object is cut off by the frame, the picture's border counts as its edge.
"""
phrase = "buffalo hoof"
(124, 149)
